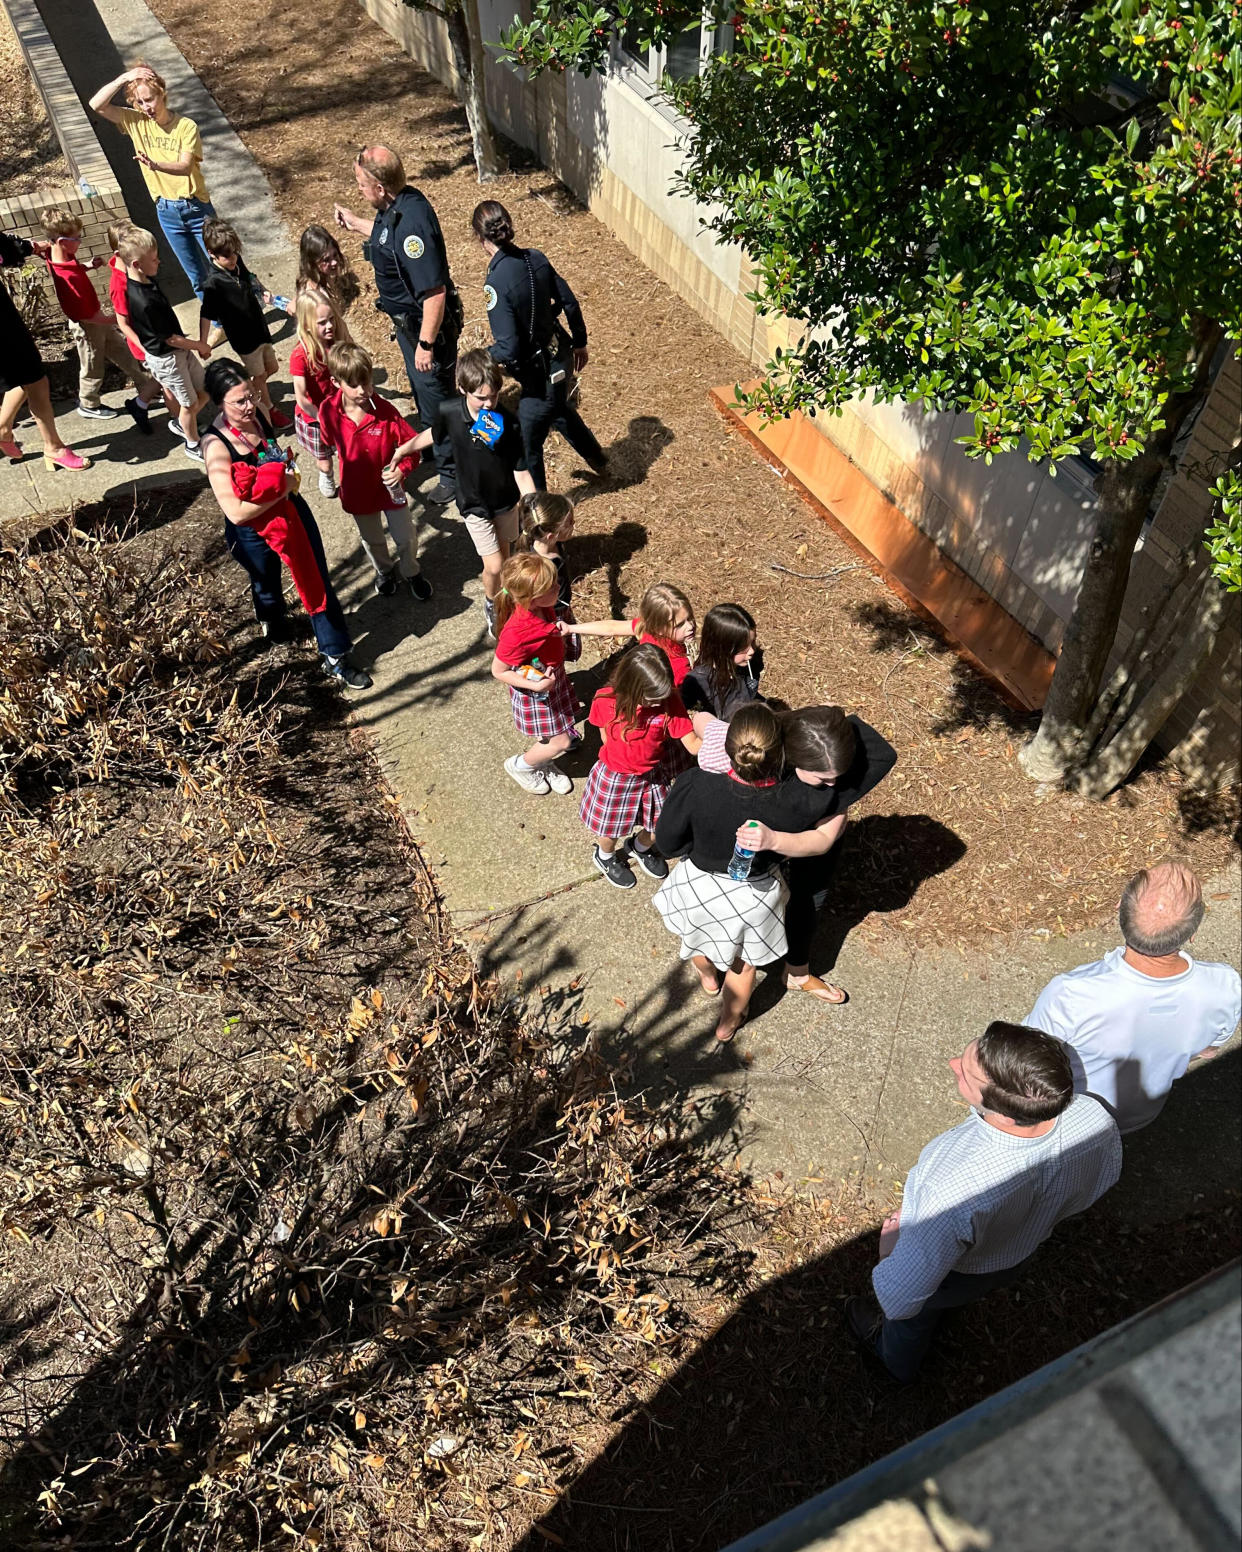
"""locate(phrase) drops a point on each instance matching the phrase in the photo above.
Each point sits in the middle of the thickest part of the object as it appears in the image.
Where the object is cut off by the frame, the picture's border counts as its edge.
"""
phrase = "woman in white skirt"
(729, 926)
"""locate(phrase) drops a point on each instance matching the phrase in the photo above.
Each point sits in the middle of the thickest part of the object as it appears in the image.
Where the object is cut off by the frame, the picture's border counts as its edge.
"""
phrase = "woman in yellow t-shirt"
(169, 149)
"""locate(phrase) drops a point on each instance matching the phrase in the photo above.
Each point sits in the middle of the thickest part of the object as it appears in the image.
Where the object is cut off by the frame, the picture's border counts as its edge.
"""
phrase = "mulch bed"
(983, 854)
(30, 156)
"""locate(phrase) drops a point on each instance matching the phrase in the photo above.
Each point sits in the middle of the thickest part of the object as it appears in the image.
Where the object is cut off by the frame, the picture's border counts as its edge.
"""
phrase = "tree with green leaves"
(1027, 211)
(461, 18)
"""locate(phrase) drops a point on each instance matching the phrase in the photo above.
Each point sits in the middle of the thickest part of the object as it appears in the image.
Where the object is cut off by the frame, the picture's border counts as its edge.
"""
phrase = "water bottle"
(534, 670)
(739, 863)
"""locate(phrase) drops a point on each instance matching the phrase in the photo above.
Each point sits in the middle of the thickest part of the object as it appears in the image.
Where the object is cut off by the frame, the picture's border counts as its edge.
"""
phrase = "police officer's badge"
(490, 297)
(413, 247)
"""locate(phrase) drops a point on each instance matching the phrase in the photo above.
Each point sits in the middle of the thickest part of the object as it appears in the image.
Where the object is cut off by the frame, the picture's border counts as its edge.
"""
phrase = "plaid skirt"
(724, 918)
(309, 435)
(545, 717)
(673, 760)
(616, 803)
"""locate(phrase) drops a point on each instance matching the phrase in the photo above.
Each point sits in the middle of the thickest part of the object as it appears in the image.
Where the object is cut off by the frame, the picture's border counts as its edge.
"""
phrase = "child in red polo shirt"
(530, 659)
(640, 713)
(366, 431)
(95, 334)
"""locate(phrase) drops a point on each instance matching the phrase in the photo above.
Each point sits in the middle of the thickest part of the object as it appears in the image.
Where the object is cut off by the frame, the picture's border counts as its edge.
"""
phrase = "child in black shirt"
(730, 663)
(235, 300)
(173, 359)
(491, 466)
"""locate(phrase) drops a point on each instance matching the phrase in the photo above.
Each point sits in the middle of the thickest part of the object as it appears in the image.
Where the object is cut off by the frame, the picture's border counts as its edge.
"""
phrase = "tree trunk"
(1125, 491)
(1113, 761)
(467, 39)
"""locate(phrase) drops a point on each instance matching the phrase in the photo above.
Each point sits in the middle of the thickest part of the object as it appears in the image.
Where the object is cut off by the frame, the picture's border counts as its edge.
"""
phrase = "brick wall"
(87, 162)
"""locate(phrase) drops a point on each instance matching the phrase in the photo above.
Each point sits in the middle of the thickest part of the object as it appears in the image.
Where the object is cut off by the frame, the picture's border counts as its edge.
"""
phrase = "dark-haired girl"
(729, 665)
(639, 712)
(266, 521)
(324, 272)
(538, 337)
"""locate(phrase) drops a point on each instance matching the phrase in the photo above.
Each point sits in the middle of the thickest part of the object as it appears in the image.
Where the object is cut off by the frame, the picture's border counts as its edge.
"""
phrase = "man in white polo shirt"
(1135, 1019)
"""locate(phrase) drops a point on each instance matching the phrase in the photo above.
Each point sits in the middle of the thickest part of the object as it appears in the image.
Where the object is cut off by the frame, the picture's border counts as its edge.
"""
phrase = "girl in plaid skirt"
(640, 714)
(319, 328)
(530, 659)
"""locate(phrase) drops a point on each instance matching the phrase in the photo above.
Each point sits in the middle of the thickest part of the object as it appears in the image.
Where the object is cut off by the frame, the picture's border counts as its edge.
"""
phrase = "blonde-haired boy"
(95, 334)
(174, 360)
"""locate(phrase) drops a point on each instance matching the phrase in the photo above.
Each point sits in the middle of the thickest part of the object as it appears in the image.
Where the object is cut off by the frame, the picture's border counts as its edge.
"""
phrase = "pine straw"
(31, 161)
(693, 505)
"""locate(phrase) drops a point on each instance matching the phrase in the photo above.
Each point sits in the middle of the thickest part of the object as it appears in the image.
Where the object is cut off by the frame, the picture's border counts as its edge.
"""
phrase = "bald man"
(1136, 1019)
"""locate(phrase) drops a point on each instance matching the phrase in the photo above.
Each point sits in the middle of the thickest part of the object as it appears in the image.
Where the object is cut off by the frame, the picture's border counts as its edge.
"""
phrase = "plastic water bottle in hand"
(739, 863)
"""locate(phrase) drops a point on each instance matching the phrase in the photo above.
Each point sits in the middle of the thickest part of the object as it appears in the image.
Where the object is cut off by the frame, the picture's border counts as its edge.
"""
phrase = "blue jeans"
(181, 221)
(903, 1344)
(263, 567)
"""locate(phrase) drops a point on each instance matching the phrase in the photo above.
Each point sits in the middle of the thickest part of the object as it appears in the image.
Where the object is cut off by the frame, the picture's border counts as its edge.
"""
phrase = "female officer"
(526, 299)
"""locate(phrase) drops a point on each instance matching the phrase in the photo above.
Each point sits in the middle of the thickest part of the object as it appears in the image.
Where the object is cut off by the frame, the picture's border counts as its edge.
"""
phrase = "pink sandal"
(65, 459)
(11, 450)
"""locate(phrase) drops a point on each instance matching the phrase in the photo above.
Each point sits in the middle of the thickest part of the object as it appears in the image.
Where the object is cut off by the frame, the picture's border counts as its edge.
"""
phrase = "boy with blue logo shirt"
(492, 470)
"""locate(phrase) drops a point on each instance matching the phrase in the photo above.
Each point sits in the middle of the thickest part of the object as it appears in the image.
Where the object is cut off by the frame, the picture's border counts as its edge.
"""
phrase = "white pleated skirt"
(724, 918)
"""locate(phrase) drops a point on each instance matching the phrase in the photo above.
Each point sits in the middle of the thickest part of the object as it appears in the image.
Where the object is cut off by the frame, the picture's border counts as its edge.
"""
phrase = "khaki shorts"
(181, 372)
(487, 533)
(260, 362)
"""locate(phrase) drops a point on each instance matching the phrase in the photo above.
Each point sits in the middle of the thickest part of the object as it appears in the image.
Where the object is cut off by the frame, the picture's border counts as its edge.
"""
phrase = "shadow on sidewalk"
(778, 1404)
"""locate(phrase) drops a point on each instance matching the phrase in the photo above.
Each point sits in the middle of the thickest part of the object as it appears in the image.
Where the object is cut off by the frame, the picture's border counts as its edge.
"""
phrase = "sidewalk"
(818, 1093)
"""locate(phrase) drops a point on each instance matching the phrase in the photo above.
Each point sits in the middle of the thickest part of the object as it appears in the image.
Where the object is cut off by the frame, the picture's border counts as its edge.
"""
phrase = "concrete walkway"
(818, 1093)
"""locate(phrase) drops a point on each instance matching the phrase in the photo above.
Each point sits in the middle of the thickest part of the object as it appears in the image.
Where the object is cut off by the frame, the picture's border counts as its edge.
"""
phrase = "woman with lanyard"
(840, 759)
(266, 521)
(169, 149)
(22, 373)
(526, 300)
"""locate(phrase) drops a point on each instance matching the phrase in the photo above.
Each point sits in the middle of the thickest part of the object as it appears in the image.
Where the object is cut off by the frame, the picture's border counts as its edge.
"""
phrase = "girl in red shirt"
(319, 328)
(530, 659)
(640, 713)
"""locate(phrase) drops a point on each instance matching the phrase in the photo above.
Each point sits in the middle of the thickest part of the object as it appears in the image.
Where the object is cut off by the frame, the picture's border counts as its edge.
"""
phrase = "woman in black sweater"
(730, 926)
(840, 758)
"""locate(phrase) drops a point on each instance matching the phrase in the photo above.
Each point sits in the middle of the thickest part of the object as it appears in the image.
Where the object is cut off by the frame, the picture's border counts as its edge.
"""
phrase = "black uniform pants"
(544, 408)
(810, 882)
(430, 389)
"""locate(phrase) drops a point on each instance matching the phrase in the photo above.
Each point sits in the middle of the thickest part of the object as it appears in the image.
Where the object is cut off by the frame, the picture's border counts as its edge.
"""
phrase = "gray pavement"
(823, 1094)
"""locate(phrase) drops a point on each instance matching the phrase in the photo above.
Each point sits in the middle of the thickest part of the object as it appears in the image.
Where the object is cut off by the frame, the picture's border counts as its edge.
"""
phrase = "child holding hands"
(546, 522)
(318, 330)
(376, 445)
(665, 618)
(639, 712)
(96, 336)
(172, 358)
(530, 659)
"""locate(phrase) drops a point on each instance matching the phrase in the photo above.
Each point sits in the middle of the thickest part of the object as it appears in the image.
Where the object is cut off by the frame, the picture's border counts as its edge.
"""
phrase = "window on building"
(684, 57)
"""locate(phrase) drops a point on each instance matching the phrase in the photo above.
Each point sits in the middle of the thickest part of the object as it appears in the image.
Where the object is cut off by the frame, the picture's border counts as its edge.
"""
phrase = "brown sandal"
(708, 991)
(822, 991)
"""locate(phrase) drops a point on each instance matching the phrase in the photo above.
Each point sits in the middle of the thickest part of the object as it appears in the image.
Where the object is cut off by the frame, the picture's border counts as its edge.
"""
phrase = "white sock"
(523, 765)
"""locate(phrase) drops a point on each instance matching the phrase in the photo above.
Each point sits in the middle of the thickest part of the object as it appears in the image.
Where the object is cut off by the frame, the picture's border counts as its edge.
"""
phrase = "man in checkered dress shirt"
(984, 1196)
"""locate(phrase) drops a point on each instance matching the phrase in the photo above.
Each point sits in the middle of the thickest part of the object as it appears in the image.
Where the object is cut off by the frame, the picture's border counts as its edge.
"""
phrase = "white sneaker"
(174, 425)
(557, 779)
(327, 485)
(532, 781)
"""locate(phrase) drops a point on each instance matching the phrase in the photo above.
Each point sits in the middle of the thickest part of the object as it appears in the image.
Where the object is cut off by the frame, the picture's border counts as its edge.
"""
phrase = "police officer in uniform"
(406, 247)
(530, 308)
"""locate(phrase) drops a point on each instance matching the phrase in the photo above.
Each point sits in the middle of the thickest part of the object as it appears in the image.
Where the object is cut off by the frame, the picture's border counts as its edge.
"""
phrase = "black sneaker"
(614, 868)
(141, 414)
(651, 862)
(441, 494)
(344, 671)
(420, 589)
(276, 630)
(386, 585)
